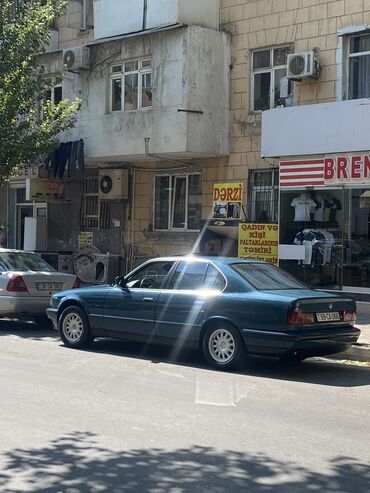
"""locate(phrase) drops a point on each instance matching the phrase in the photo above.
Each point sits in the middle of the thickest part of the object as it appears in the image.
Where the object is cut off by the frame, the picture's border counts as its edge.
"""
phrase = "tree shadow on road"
(76, 464)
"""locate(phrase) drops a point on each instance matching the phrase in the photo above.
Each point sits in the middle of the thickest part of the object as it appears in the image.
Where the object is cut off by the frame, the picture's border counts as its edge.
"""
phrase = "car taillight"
(77, 283)
(16, 284)
(349, 316)
(297, 317)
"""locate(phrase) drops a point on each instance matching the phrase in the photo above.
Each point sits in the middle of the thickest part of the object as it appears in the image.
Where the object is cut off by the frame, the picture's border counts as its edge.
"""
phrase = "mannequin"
(303, 206)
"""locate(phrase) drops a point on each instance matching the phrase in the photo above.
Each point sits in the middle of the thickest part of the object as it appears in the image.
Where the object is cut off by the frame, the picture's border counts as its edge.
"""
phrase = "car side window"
(214, 279)
(188, 276)
(151, 276)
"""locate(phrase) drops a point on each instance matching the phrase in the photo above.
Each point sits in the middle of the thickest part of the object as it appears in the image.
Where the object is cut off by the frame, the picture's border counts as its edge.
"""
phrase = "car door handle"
(148, 300)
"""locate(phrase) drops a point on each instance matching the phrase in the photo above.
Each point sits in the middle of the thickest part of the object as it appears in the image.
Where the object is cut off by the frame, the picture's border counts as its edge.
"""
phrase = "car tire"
(74, 328)
(223, 346)
(42, 320)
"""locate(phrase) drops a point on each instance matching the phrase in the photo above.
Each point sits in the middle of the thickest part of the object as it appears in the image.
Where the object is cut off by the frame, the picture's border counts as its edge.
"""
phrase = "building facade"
(299, 131)
(268, 97)
(153, 79)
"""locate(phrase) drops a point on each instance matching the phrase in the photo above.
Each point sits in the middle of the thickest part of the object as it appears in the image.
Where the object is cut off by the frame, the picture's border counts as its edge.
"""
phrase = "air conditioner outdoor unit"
(303, 65)
(76, 58)
(113, 184)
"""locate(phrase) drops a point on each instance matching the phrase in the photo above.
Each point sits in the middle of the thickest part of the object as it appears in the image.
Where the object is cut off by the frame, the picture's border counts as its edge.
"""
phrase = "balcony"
(114, 18)
(328, 128)
(189, 117)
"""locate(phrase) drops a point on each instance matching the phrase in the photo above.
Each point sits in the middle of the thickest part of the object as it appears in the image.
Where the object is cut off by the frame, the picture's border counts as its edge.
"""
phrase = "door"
(183, 305)
(131, 310)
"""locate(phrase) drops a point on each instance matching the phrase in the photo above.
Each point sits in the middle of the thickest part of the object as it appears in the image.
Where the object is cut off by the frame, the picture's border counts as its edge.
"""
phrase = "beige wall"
(266, 23)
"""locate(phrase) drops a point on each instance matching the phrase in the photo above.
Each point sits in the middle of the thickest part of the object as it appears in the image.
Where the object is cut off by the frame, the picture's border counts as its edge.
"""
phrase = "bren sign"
(347, 169)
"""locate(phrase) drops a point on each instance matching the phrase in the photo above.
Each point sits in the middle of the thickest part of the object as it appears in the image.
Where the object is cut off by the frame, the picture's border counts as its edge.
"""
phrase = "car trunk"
(47, 283)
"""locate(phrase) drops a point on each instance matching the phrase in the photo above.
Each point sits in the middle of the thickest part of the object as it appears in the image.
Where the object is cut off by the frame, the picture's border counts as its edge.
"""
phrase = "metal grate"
(263, 196)
(90, 203)
(105, 214)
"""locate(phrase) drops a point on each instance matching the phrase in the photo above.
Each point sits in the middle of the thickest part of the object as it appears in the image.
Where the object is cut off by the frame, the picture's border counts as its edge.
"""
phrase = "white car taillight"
(16, 284)
(77, 283)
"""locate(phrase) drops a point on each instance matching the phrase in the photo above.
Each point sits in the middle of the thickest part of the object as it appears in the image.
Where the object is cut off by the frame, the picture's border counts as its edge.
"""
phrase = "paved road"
(126, 418)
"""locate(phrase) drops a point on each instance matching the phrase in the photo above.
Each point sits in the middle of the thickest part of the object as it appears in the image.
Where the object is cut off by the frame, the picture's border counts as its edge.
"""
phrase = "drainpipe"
(133, 219)
(84, 16)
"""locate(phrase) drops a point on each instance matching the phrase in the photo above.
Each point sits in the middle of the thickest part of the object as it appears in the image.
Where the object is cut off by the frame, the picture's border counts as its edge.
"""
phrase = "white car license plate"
(328, 317)
(49, 286)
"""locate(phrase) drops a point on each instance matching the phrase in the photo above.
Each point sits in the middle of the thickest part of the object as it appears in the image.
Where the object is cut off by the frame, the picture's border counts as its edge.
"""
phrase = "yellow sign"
(85, 238)
(44, 190)
(227, 200)
(259, 241)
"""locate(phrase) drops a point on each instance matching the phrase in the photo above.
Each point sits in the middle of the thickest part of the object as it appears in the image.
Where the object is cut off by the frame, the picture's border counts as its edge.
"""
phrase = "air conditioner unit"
(303, 65)
(76, 58)
(113, 184)
(106, 268)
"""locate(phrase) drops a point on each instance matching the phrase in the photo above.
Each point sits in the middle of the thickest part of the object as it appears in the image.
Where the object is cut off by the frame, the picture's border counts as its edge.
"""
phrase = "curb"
(358, 352)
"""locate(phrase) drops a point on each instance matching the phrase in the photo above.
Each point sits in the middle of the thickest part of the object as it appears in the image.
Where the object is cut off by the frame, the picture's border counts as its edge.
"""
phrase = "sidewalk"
(361, 350)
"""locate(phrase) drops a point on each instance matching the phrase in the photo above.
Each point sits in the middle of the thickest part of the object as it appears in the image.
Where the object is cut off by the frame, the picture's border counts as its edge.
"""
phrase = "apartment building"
(153, 78)
(299, 119)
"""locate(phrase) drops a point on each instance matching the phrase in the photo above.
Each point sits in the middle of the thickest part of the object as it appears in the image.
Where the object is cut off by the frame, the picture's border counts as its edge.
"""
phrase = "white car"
(27, 282)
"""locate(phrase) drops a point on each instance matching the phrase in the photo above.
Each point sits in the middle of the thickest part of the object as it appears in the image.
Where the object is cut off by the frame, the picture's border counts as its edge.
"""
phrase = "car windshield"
(266, 277)
(25, 262)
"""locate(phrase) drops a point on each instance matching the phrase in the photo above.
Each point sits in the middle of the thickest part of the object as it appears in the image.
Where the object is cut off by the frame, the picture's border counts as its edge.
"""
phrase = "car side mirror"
(120, 281)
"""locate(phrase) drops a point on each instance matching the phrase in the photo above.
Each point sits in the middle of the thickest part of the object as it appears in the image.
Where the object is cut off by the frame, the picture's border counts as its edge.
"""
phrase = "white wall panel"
(115, 17)
(316, 129)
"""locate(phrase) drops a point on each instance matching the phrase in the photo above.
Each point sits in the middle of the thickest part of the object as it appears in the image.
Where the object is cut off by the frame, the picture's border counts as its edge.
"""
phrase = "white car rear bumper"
(23, 305)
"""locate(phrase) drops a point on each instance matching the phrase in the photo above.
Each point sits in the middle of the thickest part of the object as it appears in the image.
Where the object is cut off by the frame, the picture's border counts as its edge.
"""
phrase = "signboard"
(44, 190)
(227, 201)
(344, 169)
(259, 241)
(85, 238)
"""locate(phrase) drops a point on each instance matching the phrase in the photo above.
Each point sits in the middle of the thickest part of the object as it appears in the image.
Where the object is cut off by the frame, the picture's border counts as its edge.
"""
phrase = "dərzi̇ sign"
(347, 169)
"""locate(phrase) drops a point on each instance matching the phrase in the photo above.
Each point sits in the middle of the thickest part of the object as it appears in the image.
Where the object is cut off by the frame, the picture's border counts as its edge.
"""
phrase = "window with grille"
(263, 196)
(90, 203)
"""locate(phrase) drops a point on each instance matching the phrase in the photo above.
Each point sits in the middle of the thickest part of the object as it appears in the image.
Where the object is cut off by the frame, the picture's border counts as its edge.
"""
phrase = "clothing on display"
(318, 245)
(66, 157)
(303, 206)
(331, 206)
(319, 210)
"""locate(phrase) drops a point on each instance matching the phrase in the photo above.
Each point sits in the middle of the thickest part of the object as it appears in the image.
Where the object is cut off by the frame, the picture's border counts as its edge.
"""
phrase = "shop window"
(359, 66)
(131, 85)
(268, 74)
(177, 202)
(263, 196)
(90, 203)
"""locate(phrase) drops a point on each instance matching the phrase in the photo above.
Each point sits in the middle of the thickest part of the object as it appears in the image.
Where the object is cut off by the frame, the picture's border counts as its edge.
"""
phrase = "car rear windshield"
(265, 277)
(24, 262)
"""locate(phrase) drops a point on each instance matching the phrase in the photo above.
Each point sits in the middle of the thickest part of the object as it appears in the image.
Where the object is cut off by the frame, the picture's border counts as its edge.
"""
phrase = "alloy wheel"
(222, 346)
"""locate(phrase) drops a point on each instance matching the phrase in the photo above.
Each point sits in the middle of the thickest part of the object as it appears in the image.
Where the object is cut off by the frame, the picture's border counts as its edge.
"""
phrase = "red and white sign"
(306, 173)
(342, 170)
(331, 170)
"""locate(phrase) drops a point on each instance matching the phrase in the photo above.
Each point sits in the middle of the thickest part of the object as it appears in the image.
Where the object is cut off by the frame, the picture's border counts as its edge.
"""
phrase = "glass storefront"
(333, 226)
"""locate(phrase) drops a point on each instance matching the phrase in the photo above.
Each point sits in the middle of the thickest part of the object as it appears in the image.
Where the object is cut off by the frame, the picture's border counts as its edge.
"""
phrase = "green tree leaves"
(24, 135)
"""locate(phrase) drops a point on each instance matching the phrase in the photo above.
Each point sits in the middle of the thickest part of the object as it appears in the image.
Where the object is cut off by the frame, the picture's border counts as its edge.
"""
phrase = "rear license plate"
(49, 286)
(328, 317)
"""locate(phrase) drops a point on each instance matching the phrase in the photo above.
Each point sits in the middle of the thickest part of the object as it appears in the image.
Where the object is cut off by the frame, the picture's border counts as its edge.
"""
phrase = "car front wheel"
(74, 328)
(223, 347)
